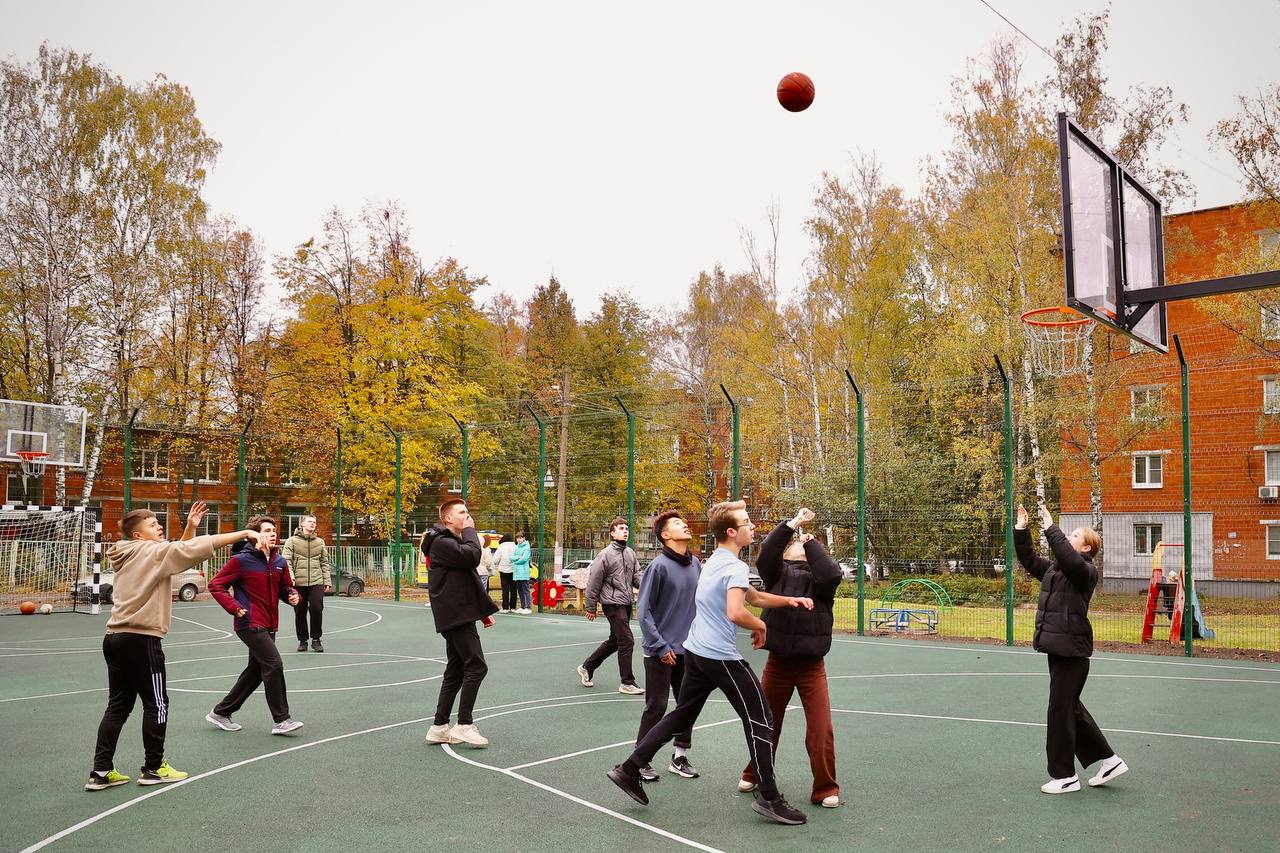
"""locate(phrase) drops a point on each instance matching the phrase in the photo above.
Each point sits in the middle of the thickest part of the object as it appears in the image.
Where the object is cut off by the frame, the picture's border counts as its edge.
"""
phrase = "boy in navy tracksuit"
(250, 587)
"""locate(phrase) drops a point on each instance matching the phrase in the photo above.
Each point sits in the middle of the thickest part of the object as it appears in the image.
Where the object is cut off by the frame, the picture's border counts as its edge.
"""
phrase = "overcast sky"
(618, 148)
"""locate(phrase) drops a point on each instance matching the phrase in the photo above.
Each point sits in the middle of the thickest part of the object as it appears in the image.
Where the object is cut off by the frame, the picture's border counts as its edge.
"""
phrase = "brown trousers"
(782, 676)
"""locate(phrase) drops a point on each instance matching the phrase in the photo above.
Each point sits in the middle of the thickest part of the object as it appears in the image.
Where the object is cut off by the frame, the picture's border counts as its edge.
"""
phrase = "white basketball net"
(1058, 339)
(32, 464)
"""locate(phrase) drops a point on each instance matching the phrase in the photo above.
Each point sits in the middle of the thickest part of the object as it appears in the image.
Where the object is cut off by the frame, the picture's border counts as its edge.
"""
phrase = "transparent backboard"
(43, 428)
(1113, 240)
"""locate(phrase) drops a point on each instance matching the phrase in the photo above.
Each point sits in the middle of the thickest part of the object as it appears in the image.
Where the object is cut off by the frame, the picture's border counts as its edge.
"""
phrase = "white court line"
(93, 637)
(164, 789)
(1154, 659)
(1092, 675)
(1042, 725)
(593, 806)
(617, 745)
(225, 634)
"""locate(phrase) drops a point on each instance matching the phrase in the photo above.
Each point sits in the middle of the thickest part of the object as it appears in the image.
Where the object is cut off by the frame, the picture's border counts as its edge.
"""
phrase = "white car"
(567, 572)
(849, 573)
(185, 585)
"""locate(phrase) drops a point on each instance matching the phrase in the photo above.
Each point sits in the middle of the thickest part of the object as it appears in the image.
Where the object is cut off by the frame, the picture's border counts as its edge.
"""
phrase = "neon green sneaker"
(159, 777)
(99, 781)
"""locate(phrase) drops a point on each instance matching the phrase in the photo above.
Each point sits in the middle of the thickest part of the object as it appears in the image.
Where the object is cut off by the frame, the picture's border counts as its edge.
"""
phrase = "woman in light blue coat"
(520, 573)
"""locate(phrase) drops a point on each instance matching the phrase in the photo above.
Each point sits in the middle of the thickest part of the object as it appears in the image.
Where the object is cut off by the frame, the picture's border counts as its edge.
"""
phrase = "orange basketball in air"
(795, 92)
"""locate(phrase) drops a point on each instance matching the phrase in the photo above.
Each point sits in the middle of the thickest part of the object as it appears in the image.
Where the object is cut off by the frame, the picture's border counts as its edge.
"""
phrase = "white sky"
(618, 148)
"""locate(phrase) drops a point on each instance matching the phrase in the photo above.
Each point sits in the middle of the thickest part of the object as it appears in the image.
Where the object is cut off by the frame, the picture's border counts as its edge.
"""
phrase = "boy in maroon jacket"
(250, 587)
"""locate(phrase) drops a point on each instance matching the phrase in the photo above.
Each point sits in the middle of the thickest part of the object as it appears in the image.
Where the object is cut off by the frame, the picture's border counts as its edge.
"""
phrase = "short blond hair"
(1092, 539)
(723, 516)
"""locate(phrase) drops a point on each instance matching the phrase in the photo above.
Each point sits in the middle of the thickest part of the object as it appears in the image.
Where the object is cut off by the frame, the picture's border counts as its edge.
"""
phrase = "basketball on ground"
(46, 608)
(26, 608)
(795, 92)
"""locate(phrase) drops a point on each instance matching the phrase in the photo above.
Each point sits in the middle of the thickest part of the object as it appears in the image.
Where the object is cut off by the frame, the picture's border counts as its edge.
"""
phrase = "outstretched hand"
(1046, 517)
(803, 516)
(1023, 519)
(198, 511)
(806, 603)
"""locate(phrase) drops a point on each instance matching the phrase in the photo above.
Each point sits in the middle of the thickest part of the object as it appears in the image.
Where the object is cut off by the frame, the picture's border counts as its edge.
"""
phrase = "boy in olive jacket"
(308, 560)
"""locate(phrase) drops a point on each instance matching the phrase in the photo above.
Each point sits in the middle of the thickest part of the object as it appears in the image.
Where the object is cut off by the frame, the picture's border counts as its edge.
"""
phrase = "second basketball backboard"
(1113, 239)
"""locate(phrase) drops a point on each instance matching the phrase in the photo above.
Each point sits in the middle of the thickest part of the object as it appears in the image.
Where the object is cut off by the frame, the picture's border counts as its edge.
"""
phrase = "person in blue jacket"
(520, 559)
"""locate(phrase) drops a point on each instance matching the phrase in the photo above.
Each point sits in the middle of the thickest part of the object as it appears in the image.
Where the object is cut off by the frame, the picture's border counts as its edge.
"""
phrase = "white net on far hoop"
(32, 463)
(1058, 339)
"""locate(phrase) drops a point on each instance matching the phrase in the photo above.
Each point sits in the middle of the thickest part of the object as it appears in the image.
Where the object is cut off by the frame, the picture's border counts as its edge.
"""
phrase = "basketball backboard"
(56, 430)
(1113, 239)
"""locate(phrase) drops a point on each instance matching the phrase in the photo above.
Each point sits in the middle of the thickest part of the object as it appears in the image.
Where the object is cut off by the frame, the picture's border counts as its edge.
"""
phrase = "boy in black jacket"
(1063, 633)
(457, 601)
(797, 642)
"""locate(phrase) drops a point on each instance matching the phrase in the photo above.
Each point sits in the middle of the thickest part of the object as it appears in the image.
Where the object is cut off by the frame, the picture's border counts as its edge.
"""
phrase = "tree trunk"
(91, 466)
(1095, 462)
(561, 485)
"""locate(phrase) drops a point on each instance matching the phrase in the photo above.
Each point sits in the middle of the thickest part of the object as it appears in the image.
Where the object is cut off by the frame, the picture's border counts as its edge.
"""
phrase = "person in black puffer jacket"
(797, 641)
(1064, 634)
(458, 600)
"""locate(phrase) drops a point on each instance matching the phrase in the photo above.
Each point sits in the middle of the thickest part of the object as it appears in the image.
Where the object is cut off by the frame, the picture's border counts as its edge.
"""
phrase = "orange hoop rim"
(32, 455)
(1027, 317)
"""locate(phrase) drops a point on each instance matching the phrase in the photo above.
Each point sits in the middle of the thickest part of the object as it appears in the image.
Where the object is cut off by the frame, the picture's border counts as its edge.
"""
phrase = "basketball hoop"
(1058, 338)
(32, 462)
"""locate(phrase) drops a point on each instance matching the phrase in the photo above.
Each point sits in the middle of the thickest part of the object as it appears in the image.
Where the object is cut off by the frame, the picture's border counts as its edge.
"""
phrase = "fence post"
(395, 531)
(737, 446)
(466, 456)
(1009, 505)
(542, 493)
(631, 471)
(1188, 618)
(128, 461)
(337, 526)
(862, 494)
(240, 475)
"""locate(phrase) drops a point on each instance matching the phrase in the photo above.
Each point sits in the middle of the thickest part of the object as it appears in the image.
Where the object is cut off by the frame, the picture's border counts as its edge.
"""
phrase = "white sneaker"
(831, 802)
(1110, 769)
(527, 612)
(440, 734)
(745, 787)
(225, 723)
(468, 734)
(1061, 786)
(286, 727)
(585, 676)
(504, 611)
(631, 689)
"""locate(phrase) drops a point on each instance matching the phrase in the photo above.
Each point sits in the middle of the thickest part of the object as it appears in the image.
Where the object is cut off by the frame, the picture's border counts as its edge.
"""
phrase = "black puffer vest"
(1066, 587)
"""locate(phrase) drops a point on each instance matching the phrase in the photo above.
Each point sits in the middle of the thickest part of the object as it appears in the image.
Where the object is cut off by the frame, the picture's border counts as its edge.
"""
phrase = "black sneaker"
(779, 810)
(648, 774)
(316, 647)
(681, 767)
(630, 784)
(302, 645)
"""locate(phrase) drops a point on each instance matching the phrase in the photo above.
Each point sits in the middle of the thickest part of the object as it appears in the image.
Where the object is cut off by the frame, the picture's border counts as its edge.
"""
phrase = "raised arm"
(1035, 566)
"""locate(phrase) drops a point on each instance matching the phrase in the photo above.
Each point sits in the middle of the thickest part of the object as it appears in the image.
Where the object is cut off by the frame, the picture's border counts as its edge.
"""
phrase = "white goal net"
(49, 556)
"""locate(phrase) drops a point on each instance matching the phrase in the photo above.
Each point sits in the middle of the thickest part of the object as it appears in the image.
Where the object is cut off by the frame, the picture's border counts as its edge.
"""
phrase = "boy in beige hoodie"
(140, 617)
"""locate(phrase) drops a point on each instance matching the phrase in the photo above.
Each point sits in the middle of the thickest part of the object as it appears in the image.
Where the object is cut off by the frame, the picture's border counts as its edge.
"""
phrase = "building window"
(290, 521)
(152, 464)
(259, 474)
(212, 523)
(1271, 396)
(1144, 402)
(1145, 538)
(291, 474)
(1148, 471)
(1273, 541)
(786, 478)
(1273, 468)
(28, 491)
(1270, 322)
(203, 468)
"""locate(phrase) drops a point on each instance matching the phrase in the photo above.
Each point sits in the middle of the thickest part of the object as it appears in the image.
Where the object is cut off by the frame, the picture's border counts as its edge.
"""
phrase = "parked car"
(184, 585)
(849, 573)
(567, 572)
(753, 578)
(348, 584)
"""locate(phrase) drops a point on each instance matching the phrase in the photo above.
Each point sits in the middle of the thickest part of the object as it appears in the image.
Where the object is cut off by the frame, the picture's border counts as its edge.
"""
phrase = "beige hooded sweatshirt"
(142, 594)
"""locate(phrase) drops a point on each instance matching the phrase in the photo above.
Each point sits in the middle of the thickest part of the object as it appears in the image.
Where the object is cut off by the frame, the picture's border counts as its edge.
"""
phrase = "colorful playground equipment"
(1169, 598)
(900, 616)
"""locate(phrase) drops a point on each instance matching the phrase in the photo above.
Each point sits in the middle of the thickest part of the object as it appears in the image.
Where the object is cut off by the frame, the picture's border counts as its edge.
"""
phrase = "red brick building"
(1232, 346)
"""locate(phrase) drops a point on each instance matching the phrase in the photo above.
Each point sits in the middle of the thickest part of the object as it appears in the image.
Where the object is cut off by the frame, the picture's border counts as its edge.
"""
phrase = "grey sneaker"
(648, 774)
(779, 811)
(585, 677)
(631, 690)
(680, 766)
(225, 723)
(286, 727)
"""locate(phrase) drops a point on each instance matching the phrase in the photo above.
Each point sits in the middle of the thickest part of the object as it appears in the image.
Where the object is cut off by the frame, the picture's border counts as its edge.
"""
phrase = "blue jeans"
(522, 589)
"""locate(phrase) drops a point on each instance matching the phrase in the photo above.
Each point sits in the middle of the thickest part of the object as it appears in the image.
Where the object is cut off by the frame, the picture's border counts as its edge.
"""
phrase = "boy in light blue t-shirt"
(712, 662)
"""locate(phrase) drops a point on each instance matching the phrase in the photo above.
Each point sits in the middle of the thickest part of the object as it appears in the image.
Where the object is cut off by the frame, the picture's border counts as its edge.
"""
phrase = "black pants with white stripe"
(736, 680)
(135, 668)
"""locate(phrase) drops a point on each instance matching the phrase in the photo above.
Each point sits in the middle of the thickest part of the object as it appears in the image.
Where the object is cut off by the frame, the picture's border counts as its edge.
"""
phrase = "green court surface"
(939, 747)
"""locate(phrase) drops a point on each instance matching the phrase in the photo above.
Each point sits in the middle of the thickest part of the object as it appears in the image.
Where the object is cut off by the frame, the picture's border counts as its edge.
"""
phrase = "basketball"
(795, 92)
(46, 608)
(27, 608)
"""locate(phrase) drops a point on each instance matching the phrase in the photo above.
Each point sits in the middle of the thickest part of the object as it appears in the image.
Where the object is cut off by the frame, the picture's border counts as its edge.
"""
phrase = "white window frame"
(209, 460)
(258, 475)
(786, 478)
(1147, 456)
(149, 458)
(291, 475)
(1270, 395)
(161, 509)
(1149, 527)
(212, 523)
(1273, 555)
(1267, 456)
(291, 520)
(1145, 392)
